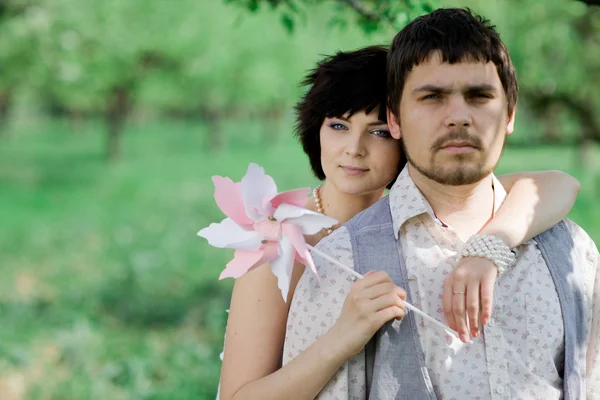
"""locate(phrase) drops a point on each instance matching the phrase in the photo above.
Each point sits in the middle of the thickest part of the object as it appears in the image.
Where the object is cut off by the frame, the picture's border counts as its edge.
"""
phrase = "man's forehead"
(468, 72)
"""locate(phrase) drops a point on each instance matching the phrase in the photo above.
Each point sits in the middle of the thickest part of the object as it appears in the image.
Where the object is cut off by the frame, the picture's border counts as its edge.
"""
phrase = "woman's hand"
(371, 302)
(469, 295)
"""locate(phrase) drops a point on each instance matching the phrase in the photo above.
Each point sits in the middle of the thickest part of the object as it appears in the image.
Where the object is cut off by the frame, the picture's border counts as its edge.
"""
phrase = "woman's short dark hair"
(347, 82)
(459, 35)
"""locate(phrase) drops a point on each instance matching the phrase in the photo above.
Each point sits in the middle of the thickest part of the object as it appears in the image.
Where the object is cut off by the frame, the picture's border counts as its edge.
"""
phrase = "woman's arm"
(254, 345)
(536, 201)
(256, 331)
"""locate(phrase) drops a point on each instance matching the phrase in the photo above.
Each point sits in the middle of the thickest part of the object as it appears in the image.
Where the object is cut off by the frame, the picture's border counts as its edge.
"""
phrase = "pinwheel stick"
(359, 276)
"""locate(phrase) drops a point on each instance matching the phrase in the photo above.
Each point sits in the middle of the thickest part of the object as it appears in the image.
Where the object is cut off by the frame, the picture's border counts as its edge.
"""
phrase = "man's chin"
(456, 175)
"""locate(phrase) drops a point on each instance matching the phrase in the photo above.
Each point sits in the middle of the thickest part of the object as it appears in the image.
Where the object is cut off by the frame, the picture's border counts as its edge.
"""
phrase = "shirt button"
(499, 390)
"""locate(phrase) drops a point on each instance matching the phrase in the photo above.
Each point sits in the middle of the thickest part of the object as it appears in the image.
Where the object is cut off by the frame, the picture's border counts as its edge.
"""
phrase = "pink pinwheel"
(263, 226)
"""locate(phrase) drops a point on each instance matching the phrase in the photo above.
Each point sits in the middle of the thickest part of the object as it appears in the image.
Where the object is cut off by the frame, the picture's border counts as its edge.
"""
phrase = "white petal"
(230, 235)
(283, 265)
(309, 221)
(256, 186)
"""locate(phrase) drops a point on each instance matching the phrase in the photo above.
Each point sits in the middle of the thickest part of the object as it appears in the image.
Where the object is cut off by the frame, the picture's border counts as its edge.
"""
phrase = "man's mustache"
(458, 135)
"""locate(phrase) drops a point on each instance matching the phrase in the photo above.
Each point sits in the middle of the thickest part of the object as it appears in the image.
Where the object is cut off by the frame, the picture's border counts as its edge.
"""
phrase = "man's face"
(453, 120)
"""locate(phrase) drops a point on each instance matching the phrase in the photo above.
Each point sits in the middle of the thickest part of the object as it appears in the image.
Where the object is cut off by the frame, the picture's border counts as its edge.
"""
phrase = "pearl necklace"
(319, 206)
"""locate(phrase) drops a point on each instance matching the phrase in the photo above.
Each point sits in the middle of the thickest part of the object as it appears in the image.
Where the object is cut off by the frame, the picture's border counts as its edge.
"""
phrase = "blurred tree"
(243, 58)
(17, 29)
(555, 46)
(94, 58)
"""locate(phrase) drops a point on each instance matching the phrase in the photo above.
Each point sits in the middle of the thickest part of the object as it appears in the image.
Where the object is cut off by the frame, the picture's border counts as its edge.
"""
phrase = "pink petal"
(228, 196)
(256, 186)
(231, 235)
(246, 260)
(294, 234)
(297, 197)
(301, 260)
(270, 230)
(283, 265)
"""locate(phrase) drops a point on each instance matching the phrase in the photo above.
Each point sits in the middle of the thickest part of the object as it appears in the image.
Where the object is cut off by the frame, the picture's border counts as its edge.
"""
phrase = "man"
(452, 96)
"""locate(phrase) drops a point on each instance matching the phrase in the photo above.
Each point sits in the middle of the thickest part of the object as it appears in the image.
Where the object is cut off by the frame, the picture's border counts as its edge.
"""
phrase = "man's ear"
(393, 124)
(511, 122)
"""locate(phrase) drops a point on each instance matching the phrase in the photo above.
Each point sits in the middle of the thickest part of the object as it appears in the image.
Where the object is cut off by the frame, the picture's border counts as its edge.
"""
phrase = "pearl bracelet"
(492, 248)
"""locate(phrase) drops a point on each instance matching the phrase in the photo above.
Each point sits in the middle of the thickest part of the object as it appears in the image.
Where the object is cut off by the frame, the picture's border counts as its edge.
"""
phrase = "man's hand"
(469, 294)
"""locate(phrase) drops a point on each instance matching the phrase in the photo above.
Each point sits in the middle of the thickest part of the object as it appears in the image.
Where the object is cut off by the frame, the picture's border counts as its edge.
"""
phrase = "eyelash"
(333, 125)
(383, 133)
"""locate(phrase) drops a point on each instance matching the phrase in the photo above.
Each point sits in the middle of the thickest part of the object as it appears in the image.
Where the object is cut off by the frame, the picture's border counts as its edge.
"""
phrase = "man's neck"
(465, 208)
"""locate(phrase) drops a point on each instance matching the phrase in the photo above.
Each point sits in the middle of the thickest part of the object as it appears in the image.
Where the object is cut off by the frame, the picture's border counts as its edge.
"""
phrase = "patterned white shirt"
(519, 355)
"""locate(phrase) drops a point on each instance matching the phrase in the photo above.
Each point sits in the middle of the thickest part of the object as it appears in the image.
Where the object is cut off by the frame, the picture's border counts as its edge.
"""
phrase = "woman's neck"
(343, 206)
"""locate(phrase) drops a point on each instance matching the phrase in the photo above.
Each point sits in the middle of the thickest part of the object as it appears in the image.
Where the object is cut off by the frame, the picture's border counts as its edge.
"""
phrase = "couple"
(516, 281)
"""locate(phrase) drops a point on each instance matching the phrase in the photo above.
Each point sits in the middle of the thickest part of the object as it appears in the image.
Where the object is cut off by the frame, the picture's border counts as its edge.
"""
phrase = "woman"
(342, 127)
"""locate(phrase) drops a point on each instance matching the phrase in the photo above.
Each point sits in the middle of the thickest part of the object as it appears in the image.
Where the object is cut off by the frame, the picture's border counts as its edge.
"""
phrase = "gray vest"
(395, 366)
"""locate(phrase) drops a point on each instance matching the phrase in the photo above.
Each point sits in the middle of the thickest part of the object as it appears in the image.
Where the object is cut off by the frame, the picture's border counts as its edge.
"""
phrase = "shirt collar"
(407, 201)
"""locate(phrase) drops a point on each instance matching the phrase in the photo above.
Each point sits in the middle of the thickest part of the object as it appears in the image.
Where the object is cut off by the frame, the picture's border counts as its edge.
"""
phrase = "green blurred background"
(114, 114)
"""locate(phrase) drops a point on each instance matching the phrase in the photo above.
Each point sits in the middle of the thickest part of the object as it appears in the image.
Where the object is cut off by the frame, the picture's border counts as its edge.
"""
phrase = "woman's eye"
(382, 133)
(337, 126)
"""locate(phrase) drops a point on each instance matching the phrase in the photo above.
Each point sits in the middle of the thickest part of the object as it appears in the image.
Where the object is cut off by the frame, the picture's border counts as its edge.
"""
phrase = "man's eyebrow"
(432, 89)
(483, 87)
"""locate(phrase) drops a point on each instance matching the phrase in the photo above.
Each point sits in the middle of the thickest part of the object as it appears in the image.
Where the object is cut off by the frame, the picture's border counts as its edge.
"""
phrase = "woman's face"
(358, 154)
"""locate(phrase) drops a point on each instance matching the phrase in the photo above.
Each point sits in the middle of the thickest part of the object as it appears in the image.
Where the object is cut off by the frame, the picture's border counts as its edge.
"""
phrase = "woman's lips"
(353, 170)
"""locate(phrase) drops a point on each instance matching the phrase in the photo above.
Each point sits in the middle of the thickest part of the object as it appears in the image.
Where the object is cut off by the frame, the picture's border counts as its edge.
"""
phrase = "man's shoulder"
(375, 215)
(580, 236)
(583, 244)
(337, 245)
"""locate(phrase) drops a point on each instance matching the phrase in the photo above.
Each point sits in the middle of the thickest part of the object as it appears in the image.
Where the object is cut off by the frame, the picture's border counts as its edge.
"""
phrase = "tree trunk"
(116, 113)
(76, 120)
(272, 124)
(214, 139)
(551, 134)
(5, 102)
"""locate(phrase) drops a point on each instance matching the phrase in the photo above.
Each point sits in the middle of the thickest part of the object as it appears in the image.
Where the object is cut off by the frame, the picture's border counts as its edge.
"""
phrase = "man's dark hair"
(459, 35)
(347, 82)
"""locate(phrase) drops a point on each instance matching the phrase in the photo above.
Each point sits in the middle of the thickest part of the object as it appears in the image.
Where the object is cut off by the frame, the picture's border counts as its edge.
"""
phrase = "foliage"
(230, 58)
(554, 87)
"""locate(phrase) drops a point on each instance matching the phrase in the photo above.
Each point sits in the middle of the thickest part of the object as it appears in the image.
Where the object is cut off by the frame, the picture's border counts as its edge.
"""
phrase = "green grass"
(107, 293)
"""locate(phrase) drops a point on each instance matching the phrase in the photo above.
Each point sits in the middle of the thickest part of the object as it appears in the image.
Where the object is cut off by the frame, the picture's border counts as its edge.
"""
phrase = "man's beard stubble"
(467, 172)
